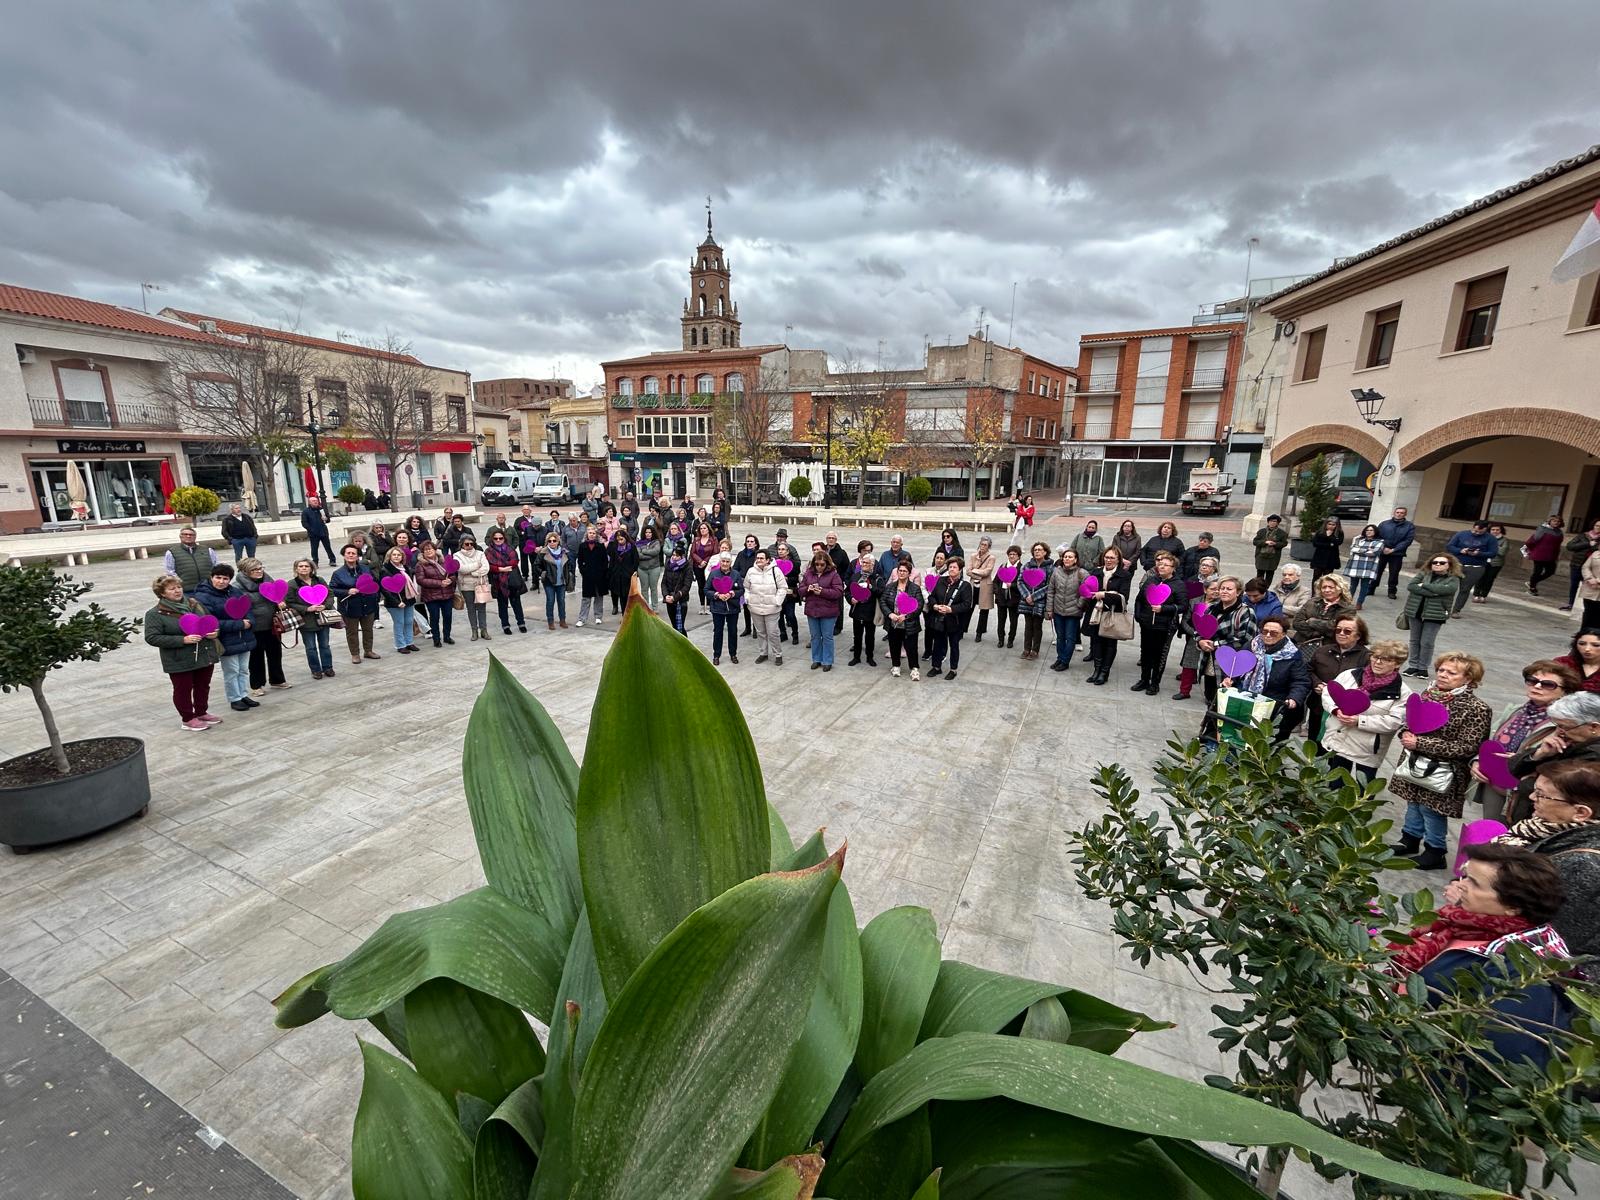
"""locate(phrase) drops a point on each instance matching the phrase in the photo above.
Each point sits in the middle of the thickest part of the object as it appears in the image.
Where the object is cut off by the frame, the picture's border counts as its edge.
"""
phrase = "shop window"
(1526, 504)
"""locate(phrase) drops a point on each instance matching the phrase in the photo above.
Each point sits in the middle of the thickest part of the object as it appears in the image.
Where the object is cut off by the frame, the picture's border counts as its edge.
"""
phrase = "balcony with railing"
(1207, 379)
(52, 412)
(1097, 431)
(1202, 430)
(1106, 382)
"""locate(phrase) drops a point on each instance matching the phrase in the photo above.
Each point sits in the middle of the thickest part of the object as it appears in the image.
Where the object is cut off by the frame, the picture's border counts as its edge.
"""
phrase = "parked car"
(1352, 501)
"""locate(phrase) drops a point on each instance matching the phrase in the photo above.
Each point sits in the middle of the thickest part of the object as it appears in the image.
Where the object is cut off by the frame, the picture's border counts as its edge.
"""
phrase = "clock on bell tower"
(710, 317)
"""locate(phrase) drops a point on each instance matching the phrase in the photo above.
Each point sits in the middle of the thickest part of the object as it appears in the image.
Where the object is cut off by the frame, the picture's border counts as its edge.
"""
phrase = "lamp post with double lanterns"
(827, 460)
(317, 423)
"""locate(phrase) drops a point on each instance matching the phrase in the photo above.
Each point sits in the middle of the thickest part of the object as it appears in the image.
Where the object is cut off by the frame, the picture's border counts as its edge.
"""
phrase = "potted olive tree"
(1315, 491)
(67, 789)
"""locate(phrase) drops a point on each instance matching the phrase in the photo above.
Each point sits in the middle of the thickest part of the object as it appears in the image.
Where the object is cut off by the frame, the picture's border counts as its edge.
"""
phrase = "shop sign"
(97, 446)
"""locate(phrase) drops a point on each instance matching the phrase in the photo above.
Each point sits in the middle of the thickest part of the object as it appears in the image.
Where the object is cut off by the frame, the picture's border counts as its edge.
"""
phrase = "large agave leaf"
(479, 939)
(407, 1143)
(522, 792)
(663, 828)
(929, 1189)
(983, 1142)
(892, 1164)
(968, 999)
(507, 1146)
(778, 832)
(826, 1045)
(462, 1040)
(899, 966)
(572, 1030)
(694, 1047)
(793, 1178)
(1107, 1090)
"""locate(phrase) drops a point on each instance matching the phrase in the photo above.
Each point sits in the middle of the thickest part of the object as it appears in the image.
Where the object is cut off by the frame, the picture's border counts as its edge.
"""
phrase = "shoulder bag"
(1430, 774)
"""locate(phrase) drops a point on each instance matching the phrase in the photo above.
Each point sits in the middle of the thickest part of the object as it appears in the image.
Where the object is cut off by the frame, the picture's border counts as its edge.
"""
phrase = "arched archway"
(1306, 443)
(1577, 430)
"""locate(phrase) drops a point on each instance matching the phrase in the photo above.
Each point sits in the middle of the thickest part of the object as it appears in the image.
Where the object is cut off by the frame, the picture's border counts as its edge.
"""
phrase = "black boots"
(1143, 684)
(1431, 859)
(1407, 846)
(1100, 675)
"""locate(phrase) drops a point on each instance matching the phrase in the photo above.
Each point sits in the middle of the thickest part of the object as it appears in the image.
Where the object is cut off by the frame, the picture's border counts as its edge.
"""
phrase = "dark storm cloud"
(513, 184)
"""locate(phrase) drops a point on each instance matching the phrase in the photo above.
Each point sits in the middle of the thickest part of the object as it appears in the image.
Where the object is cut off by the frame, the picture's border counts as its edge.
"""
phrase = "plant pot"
(1301, 549)
(56, 810)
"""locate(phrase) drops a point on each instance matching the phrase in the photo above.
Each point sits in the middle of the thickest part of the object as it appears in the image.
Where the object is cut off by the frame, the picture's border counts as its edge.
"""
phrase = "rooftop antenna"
(144, 290)
(1249, 252)
(1012, 319)
(980, 321)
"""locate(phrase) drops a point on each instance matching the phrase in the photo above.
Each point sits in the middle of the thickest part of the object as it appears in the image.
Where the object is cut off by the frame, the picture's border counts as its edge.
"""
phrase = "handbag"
(285, 620)
(516, 585)
(1402, 622)
(458, 601)
(1430, 774)
(1116, 625)
(329, 619)
(481, 593)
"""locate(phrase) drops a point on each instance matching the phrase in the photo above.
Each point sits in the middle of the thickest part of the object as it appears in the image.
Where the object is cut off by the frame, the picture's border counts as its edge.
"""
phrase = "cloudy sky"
(513, 184)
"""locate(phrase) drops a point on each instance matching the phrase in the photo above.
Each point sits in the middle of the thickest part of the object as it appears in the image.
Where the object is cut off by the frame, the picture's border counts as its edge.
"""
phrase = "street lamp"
(317, 423)
(827, 462)
(1369, 404)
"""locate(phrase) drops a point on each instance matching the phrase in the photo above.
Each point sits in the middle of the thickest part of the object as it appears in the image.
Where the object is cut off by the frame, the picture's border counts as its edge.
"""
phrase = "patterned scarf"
(1455, 924)
(1520, 724)
(1533, 830)
(1370, 683)
(1283, 652)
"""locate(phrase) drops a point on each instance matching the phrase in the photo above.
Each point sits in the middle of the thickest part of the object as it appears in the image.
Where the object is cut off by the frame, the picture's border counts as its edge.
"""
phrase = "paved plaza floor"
(281, 838)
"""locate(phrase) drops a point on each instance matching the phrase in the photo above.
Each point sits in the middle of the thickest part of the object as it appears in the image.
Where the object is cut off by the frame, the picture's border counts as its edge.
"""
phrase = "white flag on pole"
(1583, 256)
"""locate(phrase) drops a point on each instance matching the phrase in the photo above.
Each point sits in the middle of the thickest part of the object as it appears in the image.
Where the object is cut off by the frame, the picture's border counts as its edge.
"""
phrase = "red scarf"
(1455, 924)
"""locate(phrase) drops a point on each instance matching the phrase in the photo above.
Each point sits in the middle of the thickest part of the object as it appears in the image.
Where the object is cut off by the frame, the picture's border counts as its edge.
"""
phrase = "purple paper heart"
(1006, 574)
(1089, 587)
(722, 584)
(1424, 715)
(189, 623)
(366, 585)
(1158, 594)
(1235, 664)
(237, 607)
(1492, 760)
(276, 590)
(530, 547)
(929, 582)
(1352, 702)
(1205, 624)
(312, 593)
(452, 564)
(906, 604)
(1033, 577)
(860, 593)
(411, 553)
(394, 584)
(1194, 588)
(786, 565)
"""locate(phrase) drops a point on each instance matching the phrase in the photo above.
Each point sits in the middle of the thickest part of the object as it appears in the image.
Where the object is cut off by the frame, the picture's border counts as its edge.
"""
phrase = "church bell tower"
(710, 317)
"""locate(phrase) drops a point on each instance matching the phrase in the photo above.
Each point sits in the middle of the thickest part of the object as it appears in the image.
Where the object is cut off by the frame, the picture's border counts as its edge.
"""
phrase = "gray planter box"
(58, 810)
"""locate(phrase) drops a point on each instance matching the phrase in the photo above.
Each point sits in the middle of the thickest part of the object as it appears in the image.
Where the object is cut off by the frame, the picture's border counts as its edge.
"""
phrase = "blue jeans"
(236, 676)
(1424, 823)
(721, 621)
(555, 601)
(1364, 588)
(821, 639)
(1066, 637)
(318, 654)
(243, 548)
(405, 629)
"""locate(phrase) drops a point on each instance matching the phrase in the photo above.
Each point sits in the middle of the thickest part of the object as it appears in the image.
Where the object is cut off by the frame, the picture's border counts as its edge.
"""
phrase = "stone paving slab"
(284, 836)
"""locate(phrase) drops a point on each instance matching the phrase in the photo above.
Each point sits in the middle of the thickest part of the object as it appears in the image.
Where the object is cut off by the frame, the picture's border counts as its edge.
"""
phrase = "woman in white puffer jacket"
(1361, 743)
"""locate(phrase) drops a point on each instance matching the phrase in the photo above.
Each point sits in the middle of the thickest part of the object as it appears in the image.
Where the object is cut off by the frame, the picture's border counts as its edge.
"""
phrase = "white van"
(518, 486)
(552, 488)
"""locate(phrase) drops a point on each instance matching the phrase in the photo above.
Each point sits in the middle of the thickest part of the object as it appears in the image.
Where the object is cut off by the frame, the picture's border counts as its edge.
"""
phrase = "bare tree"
(873, 402)
(748, 428)
(1073, 452)
(985, 436)
(389, 401)
(244, 389)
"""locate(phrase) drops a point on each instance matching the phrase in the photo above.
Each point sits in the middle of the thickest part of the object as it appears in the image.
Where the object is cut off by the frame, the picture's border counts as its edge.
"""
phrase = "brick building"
(1152, 404)
(504, 394)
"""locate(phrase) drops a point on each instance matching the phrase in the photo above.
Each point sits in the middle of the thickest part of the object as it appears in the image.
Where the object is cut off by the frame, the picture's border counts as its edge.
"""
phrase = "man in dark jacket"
(358, 608)
(1397, 533)
(1192, 556)
(529, 529)
(240, 529)
(1270, 542)
(315, 524)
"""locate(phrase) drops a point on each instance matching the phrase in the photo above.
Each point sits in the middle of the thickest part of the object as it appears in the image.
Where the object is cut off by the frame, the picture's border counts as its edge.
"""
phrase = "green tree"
(800, 487)
(194, 502)
(350, 495)
(37, 636)
(1315, 488)
(918, 490)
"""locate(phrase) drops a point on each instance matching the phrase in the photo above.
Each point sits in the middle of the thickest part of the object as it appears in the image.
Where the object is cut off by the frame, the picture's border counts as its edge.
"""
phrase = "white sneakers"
(916, 676)
(580, 624)
(895, 671)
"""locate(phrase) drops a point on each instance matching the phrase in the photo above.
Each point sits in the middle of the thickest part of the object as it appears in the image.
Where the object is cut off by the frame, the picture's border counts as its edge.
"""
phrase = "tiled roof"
(53, 306)
(1592, 154)
(240, 329)
(1218, 329)
(658, 358)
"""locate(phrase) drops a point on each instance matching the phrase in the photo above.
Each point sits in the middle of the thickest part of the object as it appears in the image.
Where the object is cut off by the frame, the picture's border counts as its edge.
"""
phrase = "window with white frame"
(624, 387)
(734, 382)
(625, 429)
(652, 386)
(705, 384)
(672, 433)
(1150, 388)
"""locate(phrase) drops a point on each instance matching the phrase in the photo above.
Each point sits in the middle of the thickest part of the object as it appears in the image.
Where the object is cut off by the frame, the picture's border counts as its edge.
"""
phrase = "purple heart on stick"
(1424, 715)
(1235, 663)
(1089, 587)
(366, 585)
(394, 584)
(1033, 577)
(1205, 625)
(237, 607)
(860, 593)
(1006, 574)
(906, 604)
(312, 593)
(276, 590)
(530, 547)
(1158, 594)
(189, 623)
(1492, 760)
(930, 581)
(452, 564)
(786, 565)
(722, 584)
(1352, 702)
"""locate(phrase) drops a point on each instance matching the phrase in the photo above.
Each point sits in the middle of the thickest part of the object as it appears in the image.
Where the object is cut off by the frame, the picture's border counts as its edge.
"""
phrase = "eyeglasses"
(1541, 684)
